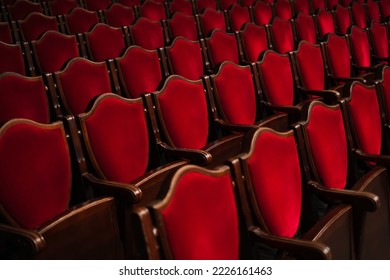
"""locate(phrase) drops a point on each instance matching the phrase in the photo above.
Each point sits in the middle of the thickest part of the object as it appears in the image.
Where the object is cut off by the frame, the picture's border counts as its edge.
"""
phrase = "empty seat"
(14, 59)
(305, 28)
(118, 15)
(342, 19)
(254, 40)
(302, 7)
(153, 10)
(226, 4)
(282, 35)
(22, 8)
(325, 23)
(130, 3)
(6, 33)
(238, 16)
(80, 20)
(95, 5)
(35, 24)
(181, 6)
(284, 9)
(358, 14)
(61, 7)
(262, 13)
(183, 25)
(372, 11)
(379, 40)
(211, 20)
(202, 5)
(148, 34)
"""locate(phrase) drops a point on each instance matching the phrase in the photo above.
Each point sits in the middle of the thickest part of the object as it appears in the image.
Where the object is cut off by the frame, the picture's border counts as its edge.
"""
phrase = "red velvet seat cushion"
(35, 172)
(311, 66)
(201, 219)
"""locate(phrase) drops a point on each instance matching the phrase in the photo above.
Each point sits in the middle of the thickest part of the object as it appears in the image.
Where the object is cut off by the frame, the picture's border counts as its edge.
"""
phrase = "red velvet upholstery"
(130, 3)
(140, 70)
(272, 67)
(118, 15)
(238, 16)
(254, 41)
(5, 33)
(184, 111)
(212, 20)
(366, 118)
(117, 132)
(186, 58)
(384, 7)
(181, 6)
(81, 81)
(282, 35)
(311, 66)
(317, 5)
(325, 23)
(148, 34)
(236, 93)
(22, 8)
(80, 20)
(53, 50)
(105, 42)
(302, 6)
(373, 11)
(226, 4)
(306, 29)
(338, 56)
(153, 10)
(202, 5)
(331, 4)
(247, 3)
(262, 13)
(183, 25)
(328, 145)
(386, 90)
(222, 46)
(35, 25)
(35, 172)
(23, 97)
(95, 5)
(347, 3)
(11, 57)
(360, 47)
(276, 179)
(201, 220)
(61, 7)
(342, 19)
(283, 9)
(358, 15)
(380, 40)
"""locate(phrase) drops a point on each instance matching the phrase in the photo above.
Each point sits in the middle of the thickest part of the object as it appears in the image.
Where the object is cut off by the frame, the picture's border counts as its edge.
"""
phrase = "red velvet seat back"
(117, 134)
(148, 34)
(325, 22)
(275, 175)
(236, 93)
(54, 50)
(186, 58)
(358, 15)
(23, 97)
(95, 5)
(331, 4)
(212, 20)
(181, 6)
(5, 33)
(360, 47)
(373, 11)
(226, 4)
(311, 66)
(306, 29)
(202, 5)
(302, 6)
(120, 15)
(130, 3)
(380, 40)
(342, 19)
(61, 7)
(105, 42)
(282, 35)
(262, 13)
(200, 217)
(140, 70)
(272, 67)
(366, 118)
(386, 90)
(80, 20)
(255, 41)
(35, 172)
(11, 57)
(36, 24)
(222, 47)
(247, 3)
(384, 7)
(153, 10)
(81, 81)
(283, 9)
(22, 8)
(183, 25)
(184, 112)
(338, 56)
(238, 16)
(327, 139)
(317, 5)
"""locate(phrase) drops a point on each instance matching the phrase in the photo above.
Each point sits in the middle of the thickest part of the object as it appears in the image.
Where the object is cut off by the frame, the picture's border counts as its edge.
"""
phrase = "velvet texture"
(81, 81)
(302, 6)
(239, 16)
(262, 13)
(283, 9)
(21, 9)
(11, 57)
(361, 47)
(373, 11)
(5, 33)
(94, 5)
(35, 172)
(186, 58)
(80, 20)
(181, 6)
(236, 93)
(226, 4)
(276, 179)
(331, 4)
(153, 10)
(212, 20)
(119, 15)
(118, 138)
(273, 67)
(223, 47)
(130, 3)
(184, 111)
(342, 19)
(36, 24)
(148, 34)
(282, 35)
(325, 23)
(366, 118)
(23, 97)
(380, 40)
(386, 91)
(247, 3)
(318, 4)
(311, 66)
(384, 7)
(201, 220)
(306, 29)
(358, 15)
(329, 146)
(338, 54)
(105, 42)
(141, 71)
(202, 5)
(183, 25)
(61, 7)
(54, 50)
(254, 40)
